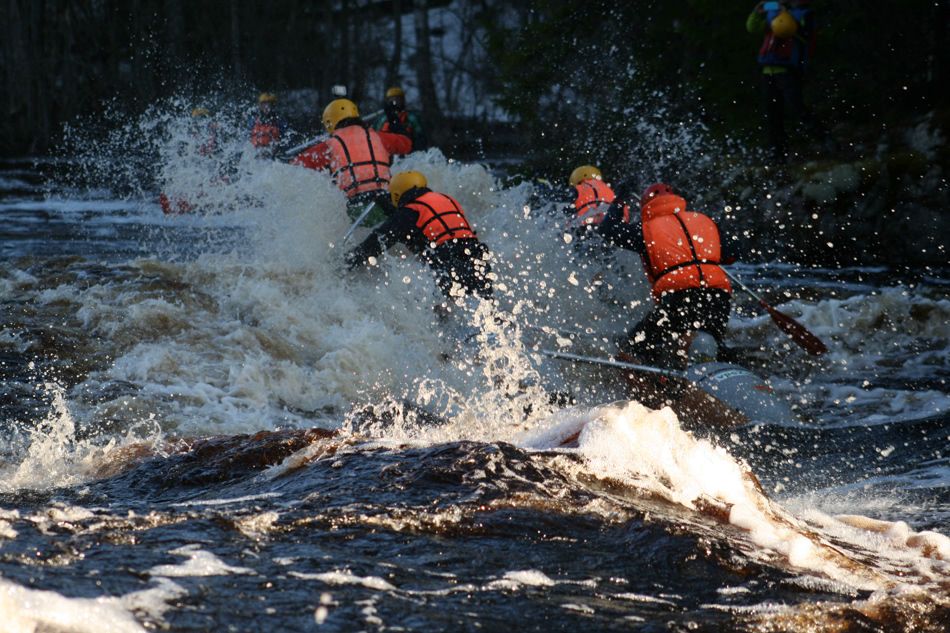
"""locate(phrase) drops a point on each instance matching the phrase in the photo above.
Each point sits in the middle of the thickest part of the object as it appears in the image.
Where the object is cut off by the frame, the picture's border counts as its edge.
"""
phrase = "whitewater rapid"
(131, 330)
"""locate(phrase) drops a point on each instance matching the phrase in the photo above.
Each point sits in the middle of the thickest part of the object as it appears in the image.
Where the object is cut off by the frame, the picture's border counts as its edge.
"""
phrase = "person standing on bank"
(396, 118)
(357, 158)
(681, 252)
(789, 42)
(434, 228)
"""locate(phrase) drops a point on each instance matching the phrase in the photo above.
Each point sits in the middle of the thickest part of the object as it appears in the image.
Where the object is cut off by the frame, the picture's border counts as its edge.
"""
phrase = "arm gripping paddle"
(359, 221)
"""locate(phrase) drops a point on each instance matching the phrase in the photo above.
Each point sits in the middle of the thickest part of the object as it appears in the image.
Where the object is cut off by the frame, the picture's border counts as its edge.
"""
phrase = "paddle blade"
(805, 339)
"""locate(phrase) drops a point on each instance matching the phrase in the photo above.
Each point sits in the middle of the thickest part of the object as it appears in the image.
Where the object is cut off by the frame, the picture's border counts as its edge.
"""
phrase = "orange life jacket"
(592, 193)
(358, 160)
(683, 248)
(263, 134)
(440, 218)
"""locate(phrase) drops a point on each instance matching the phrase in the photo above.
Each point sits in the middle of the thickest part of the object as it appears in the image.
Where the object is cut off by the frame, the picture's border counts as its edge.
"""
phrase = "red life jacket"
(683, 248)
(440, 218)
(176, 204)
(207, 147)
(592, 193)
(263, 134)
(358, 160)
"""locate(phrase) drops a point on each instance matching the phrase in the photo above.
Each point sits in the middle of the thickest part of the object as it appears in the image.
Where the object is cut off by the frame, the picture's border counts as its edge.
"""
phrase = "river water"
(205, 427)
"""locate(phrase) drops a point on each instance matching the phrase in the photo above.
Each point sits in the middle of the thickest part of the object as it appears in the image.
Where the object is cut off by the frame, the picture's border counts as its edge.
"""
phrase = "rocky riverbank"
(883, 199)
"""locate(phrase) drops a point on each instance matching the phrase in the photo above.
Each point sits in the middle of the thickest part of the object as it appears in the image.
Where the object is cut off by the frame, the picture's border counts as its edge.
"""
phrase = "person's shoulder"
(399, 143)
(387, 137)
(351, 122)
(446, 196)
(313, 156)
(320, 146)
(414, 194)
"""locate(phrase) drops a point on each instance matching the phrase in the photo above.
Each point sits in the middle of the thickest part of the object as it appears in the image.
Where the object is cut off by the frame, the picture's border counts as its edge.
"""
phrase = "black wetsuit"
(682, 311)
(462, 261)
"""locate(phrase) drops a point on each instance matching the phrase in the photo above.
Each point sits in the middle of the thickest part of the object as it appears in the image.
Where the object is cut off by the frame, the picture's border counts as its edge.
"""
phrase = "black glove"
(614, 212)
(392, 112)
(398, 127)
(627, 190)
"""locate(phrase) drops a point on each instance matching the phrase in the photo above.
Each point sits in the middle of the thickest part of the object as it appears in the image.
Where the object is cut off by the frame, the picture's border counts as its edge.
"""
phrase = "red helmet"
(655, 191)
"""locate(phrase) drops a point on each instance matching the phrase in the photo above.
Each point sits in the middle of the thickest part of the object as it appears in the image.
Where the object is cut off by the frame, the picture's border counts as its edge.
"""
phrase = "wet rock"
(882, 204)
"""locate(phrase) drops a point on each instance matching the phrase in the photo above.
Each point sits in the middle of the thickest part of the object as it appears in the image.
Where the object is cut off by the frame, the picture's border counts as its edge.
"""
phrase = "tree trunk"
(392, 71)
(235, 38)
(347, 56)
(176, 29)
(941, 56)
(424, 78)
(326, 72)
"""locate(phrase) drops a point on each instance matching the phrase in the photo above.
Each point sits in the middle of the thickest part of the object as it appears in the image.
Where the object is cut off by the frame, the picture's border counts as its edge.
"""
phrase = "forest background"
(555, 81)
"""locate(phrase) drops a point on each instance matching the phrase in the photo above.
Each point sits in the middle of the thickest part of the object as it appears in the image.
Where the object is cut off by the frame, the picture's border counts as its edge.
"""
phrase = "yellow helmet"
(396, 92)
(403, 182)
(200, 112)
(337, 111)
(784, 25)
(586, 172)
(267, 96)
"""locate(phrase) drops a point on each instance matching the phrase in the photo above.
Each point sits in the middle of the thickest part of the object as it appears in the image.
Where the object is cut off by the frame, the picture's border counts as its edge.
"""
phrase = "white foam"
(639, 597)
(221, 502)
(530, 577)
(346, 578)
(7, 517)
(676, 465)
(864, 333)
(55, 457)
(258, 525)
(24, 610)
(649, 451)
(200, 563)
(289, 328)
(582, 608)
(268, 331)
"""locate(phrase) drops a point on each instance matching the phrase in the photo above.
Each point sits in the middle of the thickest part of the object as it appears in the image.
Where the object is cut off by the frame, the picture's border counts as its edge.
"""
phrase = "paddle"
(690, 402)
(372, 115)
(805, 339)
(606, 362)
(289, 153)
(359, 220)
